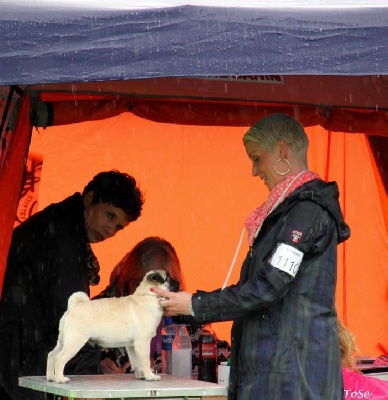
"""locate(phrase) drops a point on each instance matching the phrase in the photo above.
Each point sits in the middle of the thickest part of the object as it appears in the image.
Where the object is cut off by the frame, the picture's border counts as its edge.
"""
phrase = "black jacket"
(47, 262)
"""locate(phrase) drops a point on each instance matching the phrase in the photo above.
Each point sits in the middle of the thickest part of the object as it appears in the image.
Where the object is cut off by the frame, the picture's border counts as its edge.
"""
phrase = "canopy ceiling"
(46, 42)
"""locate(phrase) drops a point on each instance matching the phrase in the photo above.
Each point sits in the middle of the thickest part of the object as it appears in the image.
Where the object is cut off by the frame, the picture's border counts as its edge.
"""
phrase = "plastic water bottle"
(181, 353)
(168, 334)
(223, 373)
(207, 365)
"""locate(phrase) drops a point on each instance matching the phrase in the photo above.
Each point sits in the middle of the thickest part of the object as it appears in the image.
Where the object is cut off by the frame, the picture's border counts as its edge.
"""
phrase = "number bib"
(286, 258)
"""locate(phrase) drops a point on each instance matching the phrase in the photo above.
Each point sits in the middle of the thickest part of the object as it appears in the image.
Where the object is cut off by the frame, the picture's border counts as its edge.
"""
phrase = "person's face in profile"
(102, 220)
(263, 164)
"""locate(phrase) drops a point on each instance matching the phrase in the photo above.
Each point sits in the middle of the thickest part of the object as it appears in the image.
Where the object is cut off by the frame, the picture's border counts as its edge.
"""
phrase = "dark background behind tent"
(169, 93)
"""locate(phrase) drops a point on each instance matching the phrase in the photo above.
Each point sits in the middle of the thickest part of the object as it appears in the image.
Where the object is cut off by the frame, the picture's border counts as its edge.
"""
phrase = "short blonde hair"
(269, 131)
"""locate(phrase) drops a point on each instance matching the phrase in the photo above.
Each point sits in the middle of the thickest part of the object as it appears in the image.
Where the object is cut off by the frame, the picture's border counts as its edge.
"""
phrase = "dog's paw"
(139, 374)
(62, 379)
(153, 377)
(147, 375)
(50, 378)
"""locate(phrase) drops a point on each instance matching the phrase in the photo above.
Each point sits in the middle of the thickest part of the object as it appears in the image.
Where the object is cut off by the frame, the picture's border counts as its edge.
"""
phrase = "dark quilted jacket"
(284, 335)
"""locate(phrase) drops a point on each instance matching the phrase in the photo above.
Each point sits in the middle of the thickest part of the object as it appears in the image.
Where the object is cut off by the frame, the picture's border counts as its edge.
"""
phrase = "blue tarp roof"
(43, 43)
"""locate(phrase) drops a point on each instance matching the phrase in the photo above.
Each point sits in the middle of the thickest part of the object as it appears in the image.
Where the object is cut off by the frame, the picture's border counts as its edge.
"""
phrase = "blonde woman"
(356, 384)
(284, 335)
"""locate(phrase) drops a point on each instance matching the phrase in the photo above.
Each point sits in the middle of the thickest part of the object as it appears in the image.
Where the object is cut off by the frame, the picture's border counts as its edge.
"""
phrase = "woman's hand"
(175, 303)
(108, 366)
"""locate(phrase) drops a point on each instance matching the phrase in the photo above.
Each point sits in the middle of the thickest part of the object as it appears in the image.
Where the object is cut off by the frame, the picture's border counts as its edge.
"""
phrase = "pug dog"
(129, 321)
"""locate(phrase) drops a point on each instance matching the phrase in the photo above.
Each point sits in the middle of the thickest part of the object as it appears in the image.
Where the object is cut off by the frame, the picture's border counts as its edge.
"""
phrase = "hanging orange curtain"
(11, 179)
(362, 285)
(199, 189)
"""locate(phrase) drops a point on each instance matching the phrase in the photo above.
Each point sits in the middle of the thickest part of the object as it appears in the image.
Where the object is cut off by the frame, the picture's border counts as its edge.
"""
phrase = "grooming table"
(125, 386)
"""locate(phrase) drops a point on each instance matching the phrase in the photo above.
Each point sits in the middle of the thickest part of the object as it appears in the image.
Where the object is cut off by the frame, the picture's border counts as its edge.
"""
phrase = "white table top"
(118, 386)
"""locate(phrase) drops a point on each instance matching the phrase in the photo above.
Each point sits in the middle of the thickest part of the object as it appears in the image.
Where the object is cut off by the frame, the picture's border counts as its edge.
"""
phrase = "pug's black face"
(163, 277)
(172, 283)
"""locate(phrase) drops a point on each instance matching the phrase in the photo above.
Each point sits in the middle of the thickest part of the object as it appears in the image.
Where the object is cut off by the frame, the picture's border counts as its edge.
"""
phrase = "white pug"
(129, 322)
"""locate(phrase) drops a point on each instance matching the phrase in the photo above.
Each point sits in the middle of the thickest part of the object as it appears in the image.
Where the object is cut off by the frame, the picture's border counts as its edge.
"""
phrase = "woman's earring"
(288, 166)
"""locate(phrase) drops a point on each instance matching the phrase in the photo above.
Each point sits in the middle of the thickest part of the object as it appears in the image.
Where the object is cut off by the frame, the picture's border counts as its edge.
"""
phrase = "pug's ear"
(155, 278)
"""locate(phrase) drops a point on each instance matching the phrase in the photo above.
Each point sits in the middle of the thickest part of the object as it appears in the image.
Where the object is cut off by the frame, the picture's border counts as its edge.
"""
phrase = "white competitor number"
(287, 259)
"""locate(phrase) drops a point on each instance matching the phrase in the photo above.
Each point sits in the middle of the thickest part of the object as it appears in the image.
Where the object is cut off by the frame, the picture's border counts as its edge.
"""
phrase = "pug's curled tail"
(75, 298)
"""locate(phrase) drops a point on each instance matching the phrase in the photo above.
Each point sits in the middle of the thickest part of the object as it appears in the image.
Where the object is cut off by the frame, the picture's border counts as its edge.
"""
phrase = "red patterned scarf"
(276, 196)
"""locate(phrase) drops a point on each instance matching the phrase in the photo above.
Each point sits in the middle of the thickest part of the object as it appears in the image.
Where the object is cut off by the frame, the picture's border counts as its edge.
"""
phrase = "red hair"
(149, 254)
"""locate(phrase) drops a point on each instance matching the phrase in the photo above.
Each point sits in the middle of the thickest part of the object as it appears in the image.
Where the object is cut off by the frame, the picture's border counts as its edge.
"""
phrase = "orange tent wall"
(12, 163)
(199, 189)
